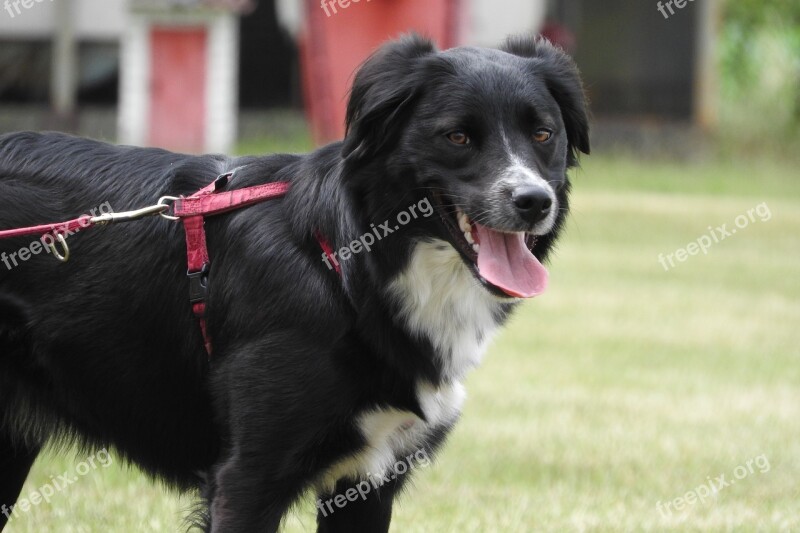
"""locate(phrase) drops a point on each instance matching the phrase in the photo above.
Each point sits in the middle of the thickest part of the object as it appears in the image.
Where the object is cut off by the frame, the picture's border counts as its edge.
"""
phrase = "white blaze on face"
(516, 175)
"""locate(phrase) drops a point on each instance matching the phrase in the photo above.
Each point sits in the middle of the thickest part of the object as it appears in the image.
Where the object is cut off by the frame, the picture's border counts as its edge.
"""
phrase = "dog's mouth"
(503, 261)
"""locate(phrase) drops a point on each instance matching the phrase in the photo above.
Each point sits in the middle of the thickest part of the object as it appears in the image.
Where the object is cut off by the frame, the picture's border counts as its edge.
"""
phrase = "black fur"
(104, 350)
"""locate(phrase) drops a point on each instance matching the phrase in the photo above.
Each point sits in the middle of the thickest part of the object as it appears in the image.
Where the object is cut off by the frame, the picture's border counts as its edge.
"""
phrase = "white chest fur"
(394, 436)
(440, 300)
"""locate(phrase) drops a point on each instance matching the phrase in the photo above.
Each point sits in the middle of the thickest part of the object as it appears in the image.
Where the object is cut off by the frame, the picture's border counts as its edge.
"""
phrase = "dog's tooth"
(468, 236)
(476, 247)
(463, 222)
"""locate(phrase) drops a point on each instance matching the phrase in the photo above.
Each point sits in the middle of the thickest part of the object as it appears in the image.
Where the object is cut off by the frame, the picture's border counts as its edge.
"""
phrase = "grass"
(624, 386)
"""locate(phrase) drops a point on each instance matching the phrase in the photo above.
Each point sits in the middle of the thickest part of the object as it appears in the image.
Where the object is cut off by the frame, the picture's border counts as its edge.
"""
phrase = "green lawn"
(623, 386)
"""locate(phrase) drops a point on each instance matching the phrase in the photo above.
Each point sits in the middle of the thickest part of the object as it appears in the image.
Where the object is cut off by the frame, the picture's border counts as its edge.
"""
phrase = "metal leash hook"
(161, 208)
(50, 233)
(52, 245)
(127, 216)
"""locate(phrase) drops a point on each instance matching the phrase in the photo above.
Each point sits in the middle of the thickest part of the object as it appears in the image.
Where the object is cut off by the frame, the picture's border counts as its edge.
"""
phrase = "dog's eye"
(459, 137)
(542, 135)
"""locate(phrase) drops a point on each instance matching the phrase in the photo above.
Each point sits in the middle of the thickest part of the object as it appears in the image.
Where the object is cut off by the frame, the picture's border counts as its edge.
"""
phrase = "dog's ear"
(564, 82)
(382, 96)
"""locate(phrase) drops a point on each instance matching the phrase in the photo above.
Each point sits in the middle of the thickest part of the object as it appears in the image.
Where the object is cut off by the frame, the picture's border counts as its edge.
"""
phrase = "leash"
(191, 211)
(59, 231)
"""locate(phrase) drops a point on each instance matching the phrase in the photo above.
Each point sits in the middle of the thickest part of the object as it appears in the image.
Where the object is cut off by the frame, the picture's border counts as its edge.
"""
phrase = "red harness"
(192, 211)
(206, 202)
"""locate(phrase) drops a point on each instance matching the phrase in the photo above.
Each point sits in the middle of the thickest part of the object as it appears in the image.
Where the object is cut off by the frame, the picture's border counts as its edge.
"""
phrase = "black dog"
(448, 190)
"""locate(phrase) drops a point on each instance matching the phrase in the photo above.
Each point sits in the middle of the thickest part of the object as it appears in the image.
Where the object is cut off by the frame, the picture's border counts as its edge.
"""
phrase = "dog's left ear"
(382, 96)
(564, 82)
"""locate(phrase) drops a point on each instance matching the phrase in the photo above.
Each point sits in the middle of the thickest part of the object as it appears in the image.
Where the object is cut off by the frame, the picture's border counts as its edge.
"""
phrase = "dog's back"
(46, 175)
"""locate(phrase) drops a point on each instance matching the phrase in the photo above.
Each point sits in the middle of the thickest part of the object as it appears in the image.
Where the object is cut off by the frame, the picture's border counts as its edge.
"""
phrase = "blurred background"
(647, 370)
(206, 75)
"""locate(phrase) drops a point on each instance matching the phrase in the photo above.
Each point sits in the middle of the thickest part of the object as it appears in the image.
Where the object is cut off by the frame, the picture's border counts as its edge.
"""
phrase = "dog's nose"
(532, 203)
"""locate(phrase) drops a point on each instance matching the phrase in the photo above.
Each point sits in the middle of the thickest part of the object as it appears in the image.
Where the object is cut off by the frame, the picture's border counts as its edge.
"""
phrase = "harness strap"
(328, 250)
(209, 202)
(192, 210)
(199, 265)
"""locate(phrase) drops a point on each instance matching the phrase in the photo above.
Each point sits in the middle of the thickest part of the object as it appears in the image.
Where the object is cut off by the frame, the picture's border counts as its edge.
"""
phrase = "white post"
(134, 82)
(63, 86)
(706, 87)
(222, 83)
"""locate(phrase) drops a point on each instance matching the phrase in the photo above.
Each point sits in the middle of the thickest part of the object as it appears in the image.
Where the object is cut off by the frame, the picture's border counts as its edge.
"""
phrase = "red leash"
(60, 228)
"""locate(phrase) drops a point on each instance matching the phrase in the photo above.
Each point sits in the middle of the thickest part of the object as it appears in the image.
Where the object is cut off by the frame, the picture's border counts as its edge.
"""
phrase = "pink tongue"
(505, 262)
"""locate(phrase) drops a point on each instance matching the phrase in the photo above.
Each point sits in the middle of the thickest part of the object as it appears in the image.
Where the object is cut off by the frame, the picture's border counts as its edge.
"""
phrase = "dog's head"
(487, 135)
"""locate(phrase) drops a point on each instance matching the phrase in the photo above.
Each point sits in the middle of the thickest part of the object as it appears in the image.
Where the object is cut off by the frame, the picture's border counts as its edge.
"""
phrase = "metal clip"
(52, 245)
(163, 202)
(127, 216)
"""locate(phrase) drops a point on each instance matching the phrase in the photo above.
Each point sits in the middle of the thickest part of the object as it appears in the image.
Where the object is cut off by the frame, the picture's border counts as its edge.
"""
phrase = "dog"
(343, 316)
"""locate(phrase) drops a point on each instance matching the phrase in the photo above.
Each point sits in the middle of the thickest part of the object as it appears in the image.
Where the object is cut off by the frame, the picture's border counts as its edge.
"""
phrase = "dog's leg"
(248, 497)
(355, 506)
(15, 464)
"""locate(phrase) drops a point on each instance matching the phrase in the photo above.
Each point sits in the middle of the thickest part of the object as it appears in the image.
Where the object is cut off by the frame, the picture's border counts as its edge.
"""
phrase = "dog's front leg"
(284, 420)
(247, 496)
(358, 506)
(16, 460)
